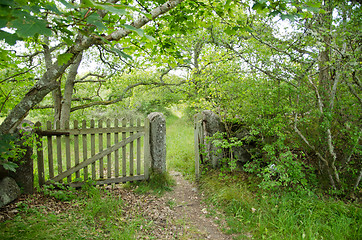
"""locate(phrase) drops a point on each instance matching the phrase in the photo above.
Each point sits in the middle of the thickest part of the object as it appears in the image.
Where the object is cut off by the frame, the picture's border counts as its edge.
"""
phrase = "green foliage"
(283, 215)
(13, 148)
(156, 105)
(225, 146)
(286, 171)
(8, 151)
(59, 191)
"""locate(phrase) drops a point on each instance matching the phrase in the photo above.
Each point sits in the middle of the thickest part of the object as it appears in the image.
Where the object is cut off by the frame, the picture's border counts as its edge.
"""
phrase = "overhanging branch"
(123, 95)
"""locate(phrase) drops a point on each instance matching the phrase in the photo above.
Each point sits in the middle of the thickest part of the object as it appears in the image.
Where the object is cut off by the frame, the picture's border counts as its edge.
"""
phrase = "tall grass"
(180, 145)
(282, 215)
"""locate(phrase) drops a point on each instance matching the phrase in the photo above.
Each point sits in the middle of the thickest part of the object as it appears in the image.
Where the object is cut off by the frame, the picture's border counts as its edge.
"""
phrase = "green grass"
(158, 184)
(282, 215)
(99, 216)
(180, 146)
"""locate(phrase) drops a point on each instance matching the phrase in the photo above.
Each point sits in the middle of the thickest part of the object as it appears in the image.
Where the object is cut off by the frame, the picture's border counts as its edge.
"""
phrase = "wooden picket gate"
(75, 155)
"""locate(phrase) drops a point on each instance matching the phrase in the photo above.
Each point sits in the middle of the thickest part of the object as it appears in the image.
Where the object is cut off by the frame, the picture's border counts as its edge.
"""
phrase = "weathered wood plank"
(40, 162)
(138, 151)
(85, 154)
(50, 151)
(98, 156)
(116, 153)
(81, 131)
(109, 159)
(76, 149)
(131, 151)
(93, 149)
(112, 180)
(67, 150)
(100, 148)
(124, 153)
(59, 148)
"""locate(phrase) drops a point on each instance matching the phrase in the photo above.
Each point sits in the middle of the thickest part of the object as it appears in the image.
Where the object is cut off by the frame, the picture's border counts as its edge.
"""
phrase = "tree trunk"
(68, 91)
(57, 102)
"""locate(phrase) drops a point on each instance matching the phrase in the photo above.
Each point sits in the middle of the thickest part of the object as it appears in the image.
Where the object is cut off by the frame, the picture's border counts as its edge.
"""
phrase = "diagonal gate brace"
(96, 157)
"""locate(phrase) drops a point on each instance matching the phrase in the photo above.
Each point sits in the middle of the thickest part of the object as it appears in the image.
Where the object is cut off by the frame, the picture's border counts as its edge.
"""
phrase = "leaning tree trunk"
(48, 82)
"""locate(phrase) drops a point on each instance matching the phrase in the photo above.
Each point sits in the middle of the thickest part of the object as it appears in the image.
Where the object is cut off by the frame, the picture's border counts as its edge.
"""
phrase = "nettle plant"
(226, 145)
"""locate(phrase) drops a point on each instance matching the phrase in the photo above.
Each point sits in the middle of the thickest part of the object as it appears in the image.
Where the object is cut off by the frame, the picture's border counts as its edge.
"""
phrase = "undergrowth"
(251, 211)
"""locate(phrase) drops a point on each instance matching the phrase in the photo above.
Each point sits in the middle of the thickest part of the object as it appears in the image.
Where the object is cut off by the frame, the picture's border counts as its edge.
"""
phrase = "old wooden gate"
(106, 152)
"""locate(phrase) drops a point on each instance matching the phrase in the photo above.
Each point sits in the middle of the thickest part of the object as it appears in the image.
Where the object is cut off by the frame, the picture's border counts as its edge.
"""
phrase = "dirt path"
(179, 214)
(188, 210)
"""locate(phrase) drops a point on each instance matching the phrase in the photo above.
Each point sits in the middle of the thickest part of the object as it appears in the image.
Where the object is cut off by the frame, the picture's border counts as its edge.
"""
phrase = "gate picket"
(100, 148)
(59, 148)
(93, 149)
(50, 151)
(85, 152)
(124, 160)
(67, 150)
(109, 159)
(76, 150)
(116, 153)
(138, 151)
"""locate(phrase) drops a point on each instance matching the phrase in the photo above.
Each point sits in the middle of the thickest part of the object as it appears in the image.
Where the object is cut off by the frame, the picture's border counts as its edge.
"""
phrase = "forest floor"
(177, 214)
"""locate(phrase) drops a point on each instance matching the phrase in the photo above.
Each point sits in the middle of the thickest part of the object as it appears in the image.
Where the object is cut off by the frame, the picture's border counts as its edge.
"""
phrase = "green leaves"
(64, 58)
(30, 26)
(120, 53)
(139, 31)
(10, 38)
(95, 19)
(22, 18)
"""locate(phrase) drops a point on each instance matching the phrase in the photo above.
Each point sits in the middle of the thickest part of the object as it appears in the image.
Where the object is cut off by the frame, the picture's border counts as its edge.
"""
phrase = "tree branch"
(123, 94)
(18, 74)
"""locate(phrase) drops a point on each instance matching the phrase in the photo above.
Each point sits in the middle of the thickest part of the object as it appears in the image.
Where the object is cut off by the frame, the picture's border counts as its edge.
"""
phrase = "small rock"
(9, 191)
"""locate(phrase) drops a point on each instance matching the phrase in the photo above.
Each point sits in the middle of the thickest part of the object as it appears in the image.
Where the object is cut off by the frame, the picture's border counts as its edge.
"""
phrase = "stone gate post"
(207, 124)
(157, 142)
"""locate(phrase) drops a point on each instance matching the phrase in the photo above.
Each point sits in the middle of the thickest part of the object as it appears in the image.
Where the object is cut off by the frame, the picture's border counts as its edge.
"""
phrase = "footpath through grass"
(251, 212)
(180, 146)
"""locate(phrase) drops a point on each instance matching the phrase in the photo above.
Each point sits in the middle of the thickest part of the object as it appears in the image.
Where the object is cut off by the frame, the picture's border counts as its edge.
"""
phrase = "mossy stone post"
(207, 123)
(24, 175)
(157, 142)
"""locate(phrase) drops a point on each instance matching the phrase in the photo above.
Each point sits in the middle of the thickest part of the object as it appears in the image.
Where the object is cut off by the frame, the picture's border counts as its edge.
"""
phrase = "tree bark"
(68, 91)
